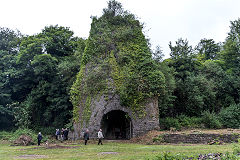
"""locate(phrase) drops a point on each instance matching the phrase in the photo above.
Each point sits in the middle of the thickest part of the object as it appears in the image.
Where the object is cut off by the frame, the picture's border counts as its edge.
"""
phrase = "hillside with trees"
(41, 75)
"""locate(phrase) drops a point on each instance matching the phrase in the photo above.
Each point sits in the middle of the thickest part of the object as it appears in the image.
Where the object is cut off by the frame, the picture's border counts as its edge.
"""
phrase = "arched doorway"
(116, 124)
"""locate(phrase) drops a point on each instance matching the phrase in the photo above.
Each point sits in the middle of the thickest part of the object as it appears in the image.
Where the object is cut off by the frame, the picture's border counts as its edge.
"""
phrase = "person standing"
(56, 134)
(100, 136)
(86, 136)
(65, 133)
(62, 134)
(39, 137)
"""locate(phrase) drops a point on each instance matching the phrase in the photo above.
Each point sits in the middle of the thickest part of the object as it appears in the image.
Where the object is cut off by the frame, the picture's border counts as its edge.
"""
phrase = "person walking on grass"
(39, 137)
(100, 136)
(86, 136)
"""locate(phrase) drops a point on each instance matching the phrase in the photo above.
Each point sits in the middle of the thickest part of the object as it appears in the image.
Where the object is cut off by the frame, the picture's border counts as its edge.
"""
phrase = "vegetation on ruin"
(117, 58)
(45, 77)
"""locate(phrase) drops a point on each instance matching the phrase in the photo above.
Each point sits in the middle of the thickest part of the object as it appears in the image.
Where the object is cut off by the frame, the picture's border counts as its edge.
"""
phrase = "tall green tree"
(230, 56)
(48, 64)
(208, 49)
(9, 44)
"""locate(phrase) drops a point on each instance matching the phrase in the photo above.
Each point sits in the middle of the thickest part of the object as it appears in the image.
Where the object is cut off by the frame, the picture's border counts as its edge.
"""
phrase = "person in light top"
(100, 136)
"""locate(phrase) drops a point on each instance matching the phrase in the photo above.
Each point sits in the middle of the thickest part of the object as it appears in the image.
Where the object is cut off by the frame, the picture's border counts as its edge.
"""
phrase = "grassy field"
(110, 150)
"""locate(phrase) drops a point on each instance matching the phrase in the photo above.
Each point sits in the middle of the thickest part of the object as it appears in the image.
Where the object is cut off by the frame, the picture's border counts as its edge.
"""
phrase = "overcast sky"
(165, 20)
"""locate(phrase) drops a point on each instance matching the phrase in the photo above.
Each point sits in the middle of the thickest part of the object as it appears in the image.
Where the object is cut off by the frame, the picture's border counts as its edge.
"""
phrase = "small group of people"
(86, 136)
(62, 135)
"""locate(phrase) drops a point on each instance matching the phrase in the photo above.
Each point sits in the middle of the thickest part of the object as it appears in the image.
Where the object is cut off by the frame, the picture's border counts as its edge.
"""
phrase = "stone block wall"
(200, 138)
(106, 103)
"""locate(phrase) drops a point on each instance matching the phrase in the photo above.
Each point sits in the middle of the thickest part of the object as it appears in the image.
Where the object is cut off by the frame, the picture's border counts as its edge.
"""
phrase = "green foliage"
(230, 116)
(129, 151)
(169, 156)
(208, 49)
(236, 148)
(117, 50)
(189, 122)
(28, 132)
(58, 40)
(5, 135)
(46, 65)
(87, 111)
(180, 122)
(220, 80)
(46, 131)
(210, 120)
(9, 42)
(158, 139)
(169, 122)
(42, 73)
(25, 131)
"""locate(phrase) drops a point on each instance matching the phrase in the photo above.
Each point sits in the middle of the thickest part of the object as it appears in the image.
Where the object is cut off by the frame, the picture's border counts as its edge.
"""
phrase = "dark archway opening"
(116, 124)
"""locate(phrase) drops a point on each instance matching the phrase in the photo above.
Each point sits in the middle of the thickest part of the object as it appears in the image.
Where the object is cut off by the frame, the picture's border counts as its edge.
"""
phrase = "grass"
(125, 151)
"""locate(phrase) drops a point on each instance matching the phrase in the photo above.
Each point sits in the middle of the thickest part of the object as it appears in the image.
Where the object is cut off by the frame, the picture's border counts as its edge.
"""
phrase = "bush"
(170, 122)
(4, 135)
(236, 148)
(25, 131)
(28, 132)
(189, 122)
(47, 130)
(210, 120)
(170, 156)
(230, 116)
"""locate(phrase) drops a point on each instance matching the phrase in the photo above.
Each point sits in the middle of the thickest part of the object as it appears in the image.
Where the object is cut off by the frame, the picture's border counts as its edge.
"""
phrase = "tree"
(58, 41)
(208, 49)
(158, 54)
(181, 50)
(47, 64)
(9, 44)
(114, 9)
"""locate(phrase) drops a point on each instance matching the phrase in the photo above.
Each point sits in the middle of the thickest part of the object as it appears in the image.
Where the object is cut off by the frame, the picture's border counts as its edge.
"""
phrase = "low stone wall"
(199, 138)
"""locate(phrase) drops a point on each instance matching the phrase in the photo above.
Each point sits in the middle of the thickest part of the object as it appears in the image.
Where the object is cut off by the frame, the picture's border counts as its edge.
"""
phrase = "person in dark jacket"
(66, 134)
(86, 136)
(39, 137)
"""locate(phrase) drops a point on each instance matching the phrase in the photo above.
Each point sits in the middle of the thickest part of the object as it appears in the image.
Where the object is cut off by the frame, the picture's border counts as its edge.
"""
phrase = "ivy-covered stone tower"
(118, 85)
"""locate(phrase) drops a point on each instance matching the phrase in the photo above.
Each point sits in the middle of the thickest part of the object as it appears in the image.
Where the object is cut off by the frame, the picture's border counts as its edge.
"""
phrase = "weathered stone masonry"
(103, 105)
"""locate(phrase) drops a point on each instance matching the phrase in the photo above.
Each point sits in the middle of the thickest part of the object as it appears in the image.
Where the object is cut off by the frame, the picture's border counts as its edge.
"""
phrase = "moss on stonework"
(76, 94)
(117, 59)
(87, 110)
(117, 74)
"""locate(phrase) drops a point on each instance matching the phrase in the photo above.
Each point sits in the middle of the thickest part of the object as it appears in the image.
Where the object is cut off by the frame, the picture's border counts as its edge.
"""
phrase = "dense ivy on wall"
(117, 58)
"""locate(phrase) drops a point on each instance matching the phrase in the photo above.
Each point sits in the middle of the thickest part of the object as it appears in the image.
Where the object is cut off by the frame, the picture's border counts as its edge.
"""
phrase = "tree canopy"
(44, 77)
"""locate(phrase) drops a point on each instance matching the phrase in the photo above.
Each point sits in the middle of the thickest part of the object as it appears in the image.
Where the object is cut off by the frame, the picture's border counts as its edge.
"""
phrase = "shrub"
(25, 131)
(236, 148)
(189, 122)
(230, 116)
(4, 135)
(46, 130)
(210, 120)
(170, 156)
(170, 122)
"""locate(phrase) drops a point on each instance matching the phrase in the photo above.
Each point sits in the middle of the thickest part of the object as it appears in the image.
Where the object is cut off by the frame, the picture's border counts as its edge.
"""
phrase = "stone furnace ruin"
(118, 85)
(116, 121)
